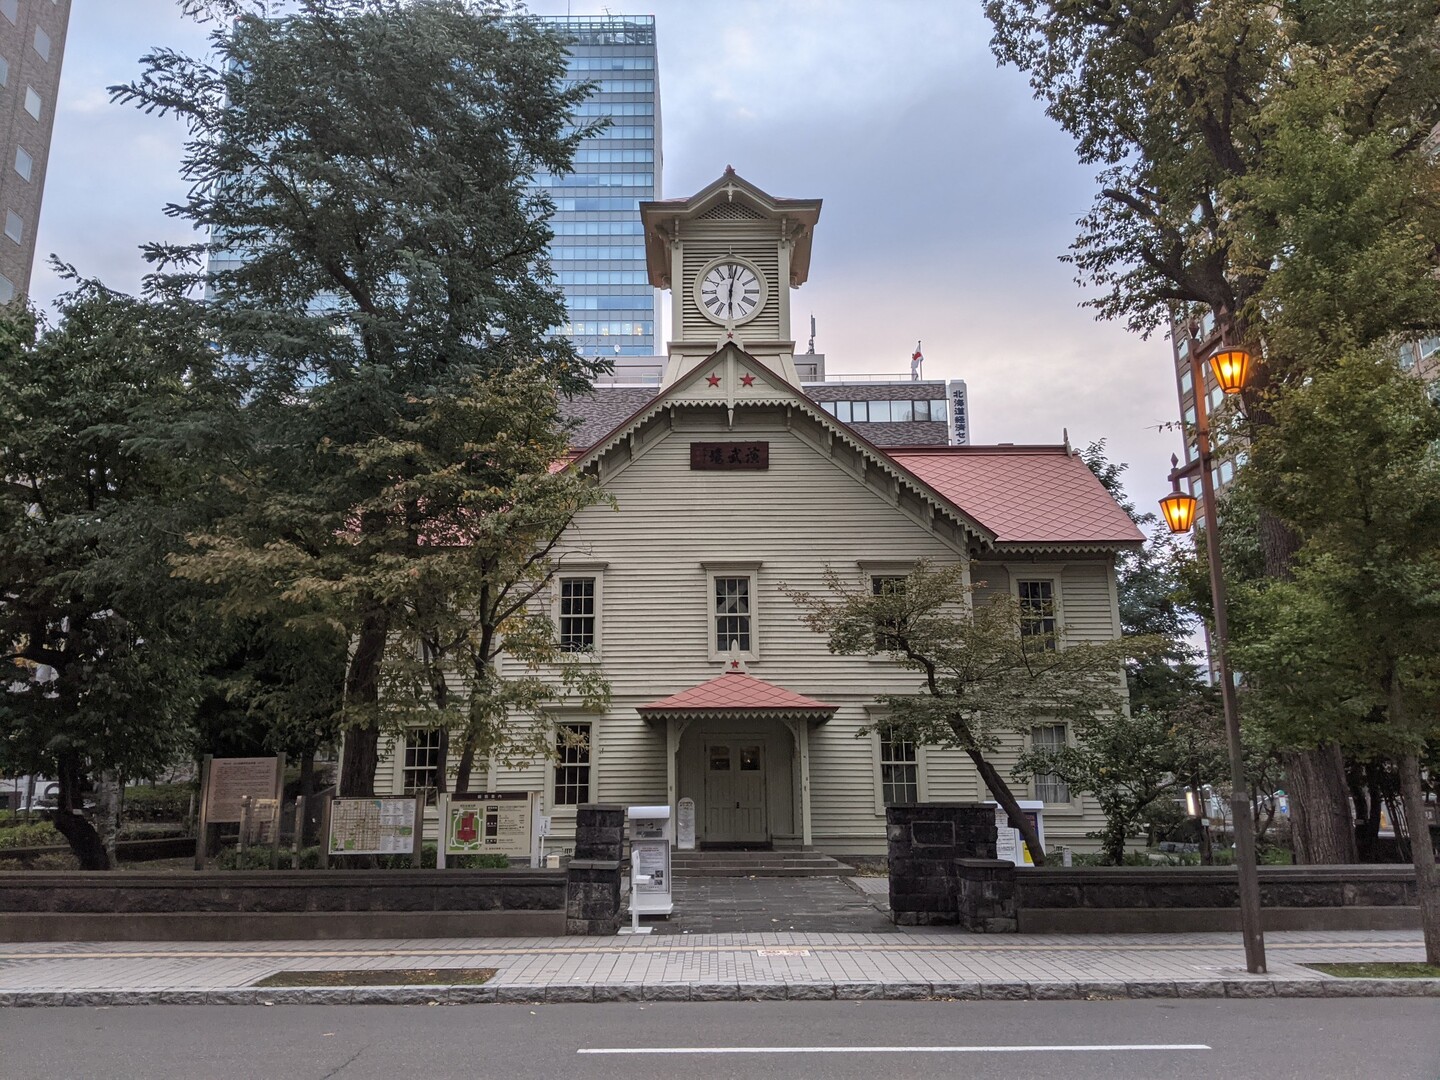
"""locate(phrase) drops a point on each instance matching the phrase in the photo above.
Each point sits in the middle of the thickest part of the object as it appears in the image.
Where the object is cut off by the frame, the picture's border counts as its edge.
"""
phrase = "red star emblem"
(735, 664)
(747, 380)
(713, 380)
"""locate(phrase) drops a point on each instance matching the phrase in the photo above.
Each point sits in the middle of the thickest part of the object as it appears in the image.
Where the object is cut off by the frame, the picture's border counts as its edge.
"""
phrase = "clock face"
(730, 292)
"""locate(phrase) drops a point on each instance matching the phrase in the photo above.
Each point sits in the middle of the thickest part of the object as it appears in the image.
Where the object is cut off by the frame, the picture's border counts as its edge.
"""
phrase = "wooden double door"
(735, 790)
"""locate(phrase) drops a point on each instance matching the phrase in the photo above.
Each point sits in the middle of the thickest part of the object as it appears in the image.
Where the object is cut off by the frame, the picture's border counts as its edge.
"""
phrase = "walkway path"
(940, 963)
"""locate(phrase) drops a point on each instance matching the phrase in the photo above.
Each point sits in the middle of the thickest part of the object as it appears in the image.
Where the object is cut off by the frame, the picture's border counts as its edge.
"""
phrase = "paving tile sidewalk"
(698, 967)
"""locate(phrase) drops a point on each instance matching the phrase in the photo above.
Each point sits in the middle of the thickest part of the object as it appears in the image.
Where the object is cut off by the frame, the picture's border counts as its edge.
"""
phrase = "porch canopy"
(738, 695)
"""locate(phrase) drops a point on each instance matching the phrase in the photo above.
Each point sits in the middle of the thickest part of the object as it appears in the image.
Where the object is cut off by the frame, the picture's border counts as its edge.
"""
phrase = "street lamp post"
(1231, 366)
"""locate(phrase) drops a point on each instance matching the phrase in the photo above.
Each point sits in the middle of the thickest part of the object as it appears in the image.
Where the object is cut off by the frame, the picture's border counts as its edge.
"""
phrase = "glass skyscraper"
(599, 252)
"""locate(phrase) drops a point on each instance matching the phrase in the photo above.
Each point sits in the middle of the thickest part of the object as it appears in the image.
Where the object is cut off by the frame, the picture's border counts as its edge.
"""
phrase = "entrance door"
(735, 792)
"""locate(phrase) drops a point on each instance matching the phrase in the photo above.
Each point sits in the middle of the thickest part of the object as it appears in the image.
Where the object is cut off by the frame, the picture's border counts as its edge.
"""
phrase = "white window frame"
(402, 749)
(28, 173)
(721, 650)
(39, 36)
(878, 719)
(1070, 805)
(553, 764)
(870, 569)
(32, 96)
(1039, 572)
(15, 220)
(596, 572)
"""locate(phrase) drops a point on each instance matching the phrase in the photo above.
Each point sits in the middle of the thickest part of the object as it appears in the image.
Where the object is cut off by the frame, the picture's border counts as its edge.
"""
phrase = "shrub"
(40, 834)
(162, 802)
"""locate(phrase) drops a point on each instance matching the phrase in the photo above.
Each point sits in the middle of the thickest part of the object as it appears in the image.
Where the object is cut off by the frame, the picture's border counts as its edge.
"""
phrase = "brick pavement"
(798, 965)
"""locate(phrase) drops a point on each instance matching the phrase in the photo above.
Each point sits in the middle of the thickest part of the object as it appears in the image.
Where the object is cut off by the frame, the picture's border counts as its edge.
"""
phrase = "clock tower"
(729, 255)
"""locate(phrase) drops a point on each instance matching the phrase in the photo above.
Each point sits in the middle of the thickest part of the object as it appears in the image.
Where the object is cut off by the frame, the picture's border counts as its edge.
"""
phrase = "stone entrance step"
(792, 863)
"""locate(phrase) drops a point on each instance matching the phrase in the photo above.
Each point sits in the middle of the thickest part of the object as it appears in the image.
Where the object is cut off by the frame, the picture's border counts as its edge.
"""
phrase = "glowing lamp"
(1178, 509)
(1231, 366)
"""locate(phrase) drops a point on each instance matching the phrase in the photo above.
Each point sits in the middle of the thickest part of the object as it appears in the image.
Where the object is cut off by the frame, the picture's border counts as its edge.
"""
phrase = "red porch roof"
(736, 691)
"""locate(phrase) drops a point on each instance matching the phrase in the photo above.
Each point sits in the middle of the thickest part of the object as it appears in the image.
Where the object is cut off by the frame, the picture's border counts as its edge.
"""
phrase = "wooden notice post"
(279, 806)
(202, 825)
(417, 860)
(325, 832)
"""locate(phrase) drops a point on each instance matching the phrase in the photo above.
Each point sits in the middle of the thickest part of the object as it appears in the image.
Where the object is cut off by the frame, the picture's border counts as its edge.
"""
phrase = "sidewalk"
(935, 963)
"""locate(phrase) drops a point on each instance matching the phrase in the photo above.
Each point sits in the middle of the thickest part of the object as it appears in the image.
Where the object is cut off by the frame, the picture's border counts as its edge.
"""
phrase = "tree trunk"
(1422, 848)
(465, 767)
(1322, 826)
(69, 821)
(362, 693)
(1018, 818)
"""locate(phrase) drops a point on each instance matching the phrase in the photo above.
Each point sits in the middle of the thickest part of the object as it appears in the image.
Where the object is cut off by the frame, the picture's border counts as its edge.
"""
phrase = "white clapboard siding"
(817, 505)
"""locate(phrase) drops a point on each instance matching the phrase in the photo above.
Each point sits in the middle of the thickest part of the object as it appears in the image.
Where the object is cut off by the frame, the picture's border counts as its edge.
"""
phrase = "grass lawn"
(382, 977)
(1378, 971)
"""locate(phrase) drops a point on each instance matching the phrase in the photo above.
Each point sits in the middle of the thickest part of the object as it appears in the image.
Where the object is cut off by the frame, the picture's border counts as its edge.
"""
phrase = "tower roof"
(662, 219)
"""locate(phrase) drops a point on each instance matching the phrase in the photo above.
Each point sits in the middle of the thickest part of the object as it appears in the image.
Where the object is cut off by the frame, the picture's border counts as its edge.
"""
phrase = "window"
(10, 9)
(422, 759)
(899, 769)
(32, 102)
(572, 764)
(880, 412)
(1037, 611)
(1049, 787)
(7, 289)
(4, 72)
(886, 629)
(42, 43)
(24, 163)
(577, 614)
(14, 226)
(732, 613)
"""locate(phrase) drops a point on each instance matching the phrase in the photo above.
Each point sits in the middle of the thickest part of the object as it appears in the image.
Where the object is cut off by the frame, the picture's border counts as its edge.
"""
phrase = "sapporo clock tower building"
(729, 255)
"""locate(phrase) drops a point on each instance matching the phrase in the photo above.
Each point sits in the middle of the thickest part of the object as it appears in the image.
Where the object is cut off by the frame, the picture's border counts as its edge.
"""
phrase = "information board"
(492, 822)
(1009, 842)
(233, 778)
(372, 826)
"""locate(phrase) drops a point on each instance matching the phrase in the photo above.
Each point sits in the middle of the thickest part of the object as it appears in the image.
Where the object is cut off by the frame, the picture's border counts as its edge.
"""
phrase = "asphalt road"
(1397, 1039)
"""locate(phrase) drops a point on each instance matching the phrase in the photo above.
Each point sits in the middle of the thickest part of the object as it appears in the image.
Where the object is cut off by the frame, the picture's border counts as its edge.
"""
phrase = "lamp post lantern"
(1231, 365)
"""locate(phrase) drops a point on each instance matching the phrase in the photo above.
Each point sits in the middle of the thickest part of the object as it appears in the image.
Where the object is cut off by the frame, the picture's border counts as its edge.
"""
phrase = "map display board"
(372, 826)
(493, 822)
(233, 778)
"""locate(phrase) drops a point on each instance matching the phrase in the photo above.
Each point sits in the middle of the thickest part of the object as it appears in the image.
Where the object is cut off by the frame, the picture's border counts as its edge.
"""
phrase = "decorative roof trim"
(736, 714)
(674, 396)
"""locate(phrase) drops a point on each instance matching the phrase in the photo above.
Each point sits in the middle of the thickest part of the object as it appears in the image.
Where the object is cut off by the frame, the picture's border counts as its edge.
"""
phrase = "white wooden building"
(732, 483)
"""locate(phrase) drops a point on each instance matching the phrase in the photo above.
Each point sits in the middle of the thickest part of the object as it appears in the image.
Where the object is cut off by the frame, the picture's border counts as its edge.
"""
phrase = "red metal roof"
(1024, 494)
(738, 691)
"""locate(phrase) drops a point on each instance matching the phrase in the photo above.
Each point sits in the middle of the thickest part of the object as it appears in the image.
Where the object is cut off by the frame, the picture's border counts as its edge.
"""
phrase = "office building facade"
(32, 44)
(598, 253)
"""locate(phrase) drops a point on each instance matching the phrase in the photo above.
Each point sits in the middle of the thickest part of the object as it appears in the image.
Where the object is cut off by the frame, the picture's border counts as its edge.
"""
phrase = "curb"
(606, 993)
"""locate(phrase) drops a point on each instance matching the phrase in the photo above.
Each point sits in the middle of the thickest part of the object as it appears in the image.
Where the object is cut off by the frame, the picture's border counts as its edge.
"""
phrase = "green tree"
(984, 681)
(101, 466)
(372, 161)
(1265, 162)
(1347, 645)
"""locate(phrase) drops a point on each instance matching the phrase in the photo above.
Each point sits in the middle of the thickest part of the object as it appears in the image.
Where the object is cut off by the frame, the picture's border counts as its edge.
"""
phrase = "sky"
(949, 196)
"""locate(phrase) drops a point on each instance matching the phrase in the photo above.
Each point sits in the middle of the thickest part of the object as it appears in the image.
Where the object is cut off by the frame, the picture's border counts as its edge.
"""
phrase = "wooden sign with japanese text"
(729, 455)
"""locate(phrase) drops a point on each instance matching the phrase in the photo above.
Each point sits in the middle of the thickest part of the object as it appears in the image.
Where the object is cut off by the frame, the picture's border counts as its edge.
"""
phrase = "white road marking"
(1108, 1047)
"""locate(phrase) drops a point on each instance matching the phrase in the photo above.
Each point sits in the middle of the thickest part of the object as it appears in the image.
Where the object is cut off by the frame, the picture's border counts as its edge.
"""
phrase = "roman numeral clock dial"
(730, 292)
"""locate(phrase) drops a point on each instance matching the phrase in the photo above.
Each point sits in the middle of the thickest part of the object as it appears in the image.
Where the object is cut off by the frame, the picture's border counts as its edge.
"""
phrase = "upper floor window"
(577, 614)
(1037, 611)
(572, 764)
(32, 102)
(733, 597)
(10, 9)
(888, 626)
(42, 43)
(24, 163)
(14, 226)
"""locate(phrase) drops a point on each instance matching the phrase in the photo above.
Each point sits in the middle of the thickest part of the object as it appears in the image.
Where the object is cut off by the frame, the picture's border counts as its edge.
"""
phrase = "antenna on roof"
(811, 350)
(1065, 434)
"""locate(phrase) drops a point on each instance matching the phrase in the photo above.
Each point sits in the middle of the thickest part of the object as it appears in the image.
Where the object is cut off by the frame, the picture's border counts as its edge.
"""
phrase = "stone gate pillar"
(924, 840)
